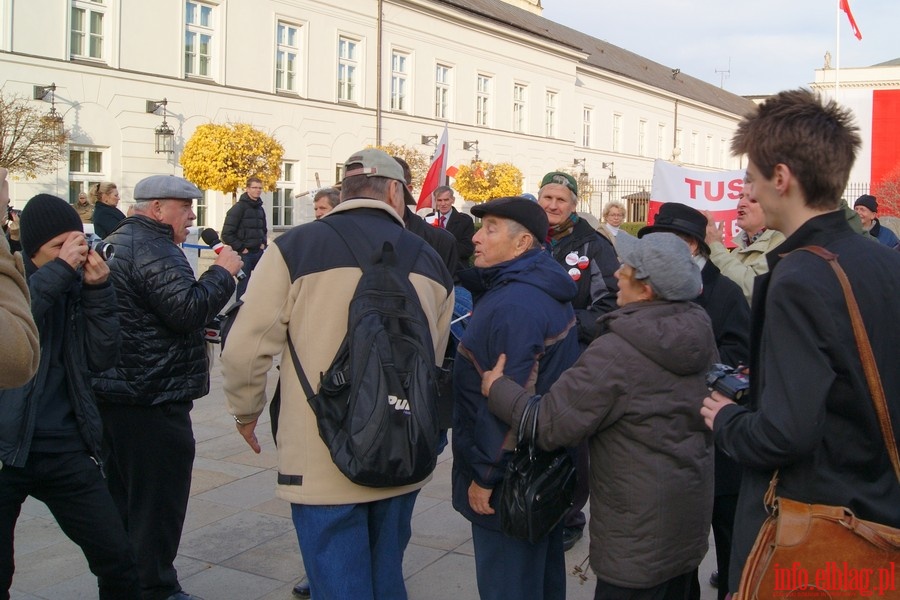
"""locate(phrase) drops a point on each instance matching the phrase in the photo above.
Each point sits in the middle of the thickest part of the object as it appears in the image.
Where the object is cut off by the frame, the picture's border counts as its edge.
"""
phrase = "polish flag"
(436, 173)
(845, 6)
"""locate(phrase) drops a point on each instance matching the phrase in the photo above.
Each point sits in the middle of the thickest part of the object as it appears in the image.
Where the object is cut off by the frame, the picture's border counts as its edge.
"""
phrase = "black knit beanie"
(43, 218)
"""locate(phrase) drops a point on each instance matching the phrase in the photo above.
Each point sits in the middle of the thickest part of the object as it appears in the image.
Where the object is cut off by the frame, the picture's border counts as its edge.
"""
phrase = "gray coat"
(636, 393)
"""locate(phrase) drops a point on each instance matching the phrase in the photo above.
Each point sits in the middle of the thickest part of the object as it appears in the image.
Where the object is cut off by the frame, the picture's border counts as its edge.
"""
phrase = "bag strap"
(304, 382)
(866, 355)
(404, 251)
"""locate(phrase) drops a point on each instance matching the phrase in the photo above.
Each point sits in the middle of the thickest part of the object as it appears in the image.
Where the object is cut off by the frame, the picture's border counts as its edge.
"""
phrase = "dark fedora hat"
(679, 218)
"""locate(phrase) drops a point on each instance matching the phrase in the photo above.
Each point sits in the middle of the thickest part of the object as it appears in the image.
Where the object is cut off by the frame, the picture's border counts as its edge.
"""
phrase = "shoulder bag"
(823, 551)
(538, 486)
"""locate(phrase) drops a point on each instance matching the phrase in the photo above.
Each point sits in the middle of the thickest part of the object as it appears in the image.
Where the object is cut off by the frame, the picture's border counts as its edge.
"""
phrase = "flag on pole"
(437, 173)
(845, 6)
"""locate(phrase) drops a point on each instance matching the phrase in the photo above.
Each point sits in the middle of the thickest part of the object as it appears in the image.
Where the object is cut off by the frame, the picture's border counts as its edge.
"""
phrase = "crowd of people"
(613, 334)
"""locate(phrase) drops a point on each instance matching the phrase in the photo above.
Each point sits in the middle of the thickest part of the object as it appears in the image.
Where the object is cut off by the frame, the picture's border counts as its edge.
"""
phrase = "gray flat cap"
(165, 187)
(664, 261)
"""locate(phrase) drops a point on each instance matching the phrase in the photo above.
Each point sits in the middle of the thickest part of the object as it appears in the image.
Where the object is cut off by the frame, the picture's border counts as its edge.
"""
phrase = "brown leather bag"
(821, 551)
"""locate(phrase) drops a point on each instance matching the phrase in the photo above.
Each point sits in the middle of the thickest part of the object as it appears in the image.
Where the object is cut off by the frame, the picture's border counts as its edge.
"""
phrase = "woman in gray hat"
(633, 395)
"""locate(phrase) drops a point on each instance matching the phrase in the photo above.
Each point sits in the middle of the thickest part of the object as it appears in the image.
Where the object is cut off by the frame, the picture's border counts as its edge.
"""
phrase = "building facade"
(873, 93)
(327, 77)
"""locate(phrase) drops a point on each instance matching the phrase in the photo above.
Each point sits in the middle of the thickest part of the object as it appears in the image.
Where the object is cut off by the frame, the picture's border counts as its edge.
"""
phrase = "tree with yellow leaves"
(482, 181)
(223, 157)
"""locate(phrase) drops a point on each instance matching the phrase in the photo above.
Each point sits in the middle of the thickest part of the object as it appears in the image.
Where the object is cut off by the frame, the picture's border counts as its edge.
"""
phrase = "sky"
(772, 44)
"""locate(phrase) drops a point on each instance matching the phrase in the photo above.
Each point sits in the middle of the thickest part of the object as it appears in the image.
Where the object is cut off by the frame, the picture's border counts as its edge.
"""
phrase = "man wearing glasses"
(245, 230)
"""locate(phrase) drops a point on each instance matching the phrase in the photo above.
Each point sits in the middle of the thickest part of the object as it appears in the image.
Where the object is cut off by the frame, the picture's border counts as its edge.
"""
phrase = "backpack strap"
(405, 249)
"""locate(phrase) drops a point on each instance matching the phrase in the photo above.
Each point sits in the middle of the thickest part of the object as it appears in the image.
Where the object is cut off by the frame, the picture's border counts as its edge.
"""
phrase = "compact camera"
(731, 382)
(104, 249)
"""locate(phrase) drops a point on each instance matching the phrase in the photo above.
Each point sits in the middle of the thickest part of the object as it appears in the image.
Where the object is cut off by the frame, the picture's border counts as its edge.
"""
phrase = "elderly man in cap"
(523, 309)
(146, 399)
(632, 394)
(866, 206)
(352, 537)
(591, 262)
(50, 429)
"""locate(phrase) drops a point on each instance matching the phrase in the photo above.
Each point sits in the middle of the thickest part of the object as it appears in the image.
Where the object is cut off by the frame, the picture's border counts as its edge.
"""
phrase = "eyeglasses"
(255, 187)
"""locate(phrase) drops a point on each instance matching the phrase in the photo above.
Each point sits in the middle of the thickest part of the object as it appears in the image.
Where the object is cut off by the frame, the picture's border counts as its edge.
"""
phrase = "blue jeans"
(509, 568)
(355, 550)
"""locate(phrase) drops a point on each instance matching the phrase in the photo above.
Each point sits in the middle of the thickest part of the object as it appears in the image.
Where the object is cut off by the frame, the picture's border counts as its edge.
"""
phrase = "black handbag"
(538, 486)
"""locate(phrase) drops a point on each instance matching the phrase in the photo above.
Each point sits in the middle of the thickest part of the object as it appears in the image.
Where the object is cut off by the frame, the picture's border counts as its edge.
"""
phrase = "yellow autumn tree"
(223, 157)
(418, 162)
(482, 181)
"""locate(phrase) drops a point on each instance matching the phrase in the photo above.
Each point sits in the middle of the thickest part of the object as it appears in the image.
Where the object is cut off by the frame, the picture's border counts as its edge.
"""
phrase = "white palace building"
(328, 77)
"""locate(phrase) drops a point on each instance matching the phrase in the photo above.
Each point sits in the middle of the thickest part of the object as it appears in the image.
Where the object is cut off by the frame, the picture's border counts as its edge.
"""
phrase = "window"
(642, 138)
(723, 153)
(709, 150)
(201, 209)
(287, 52)
(679, 144)
(399, 80)
(283, 199)
(85, 168)
(483, 101)
(348, 67)
(661, 141)
(519, 105)
(86, 35)
(550, 115)
(442, 92)
(586, 118)
(617, 133)
(694, 156)
(198, 37)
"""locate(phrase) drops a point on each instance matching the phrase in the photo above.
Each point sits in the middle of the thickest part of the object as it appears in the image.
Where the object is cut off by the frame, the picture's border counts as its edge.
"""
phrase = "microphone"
(211, 238)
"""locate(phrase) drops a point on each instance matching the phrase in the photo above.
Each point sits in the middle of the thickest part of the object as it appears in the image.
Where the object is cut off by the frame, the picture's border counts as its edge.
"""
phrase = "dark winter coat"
(463, 228)
(597, 287)
(522, 308)
(812, 415)
(91, 343)
(441, 240)
(163, 309)
(245, 225)
(635, 394)
(106, 218)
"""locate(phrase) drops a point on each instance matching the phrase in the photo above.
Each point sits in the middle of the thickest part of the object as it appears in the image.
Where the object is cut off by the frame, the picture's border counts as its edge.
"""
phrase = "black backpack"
(376, 405)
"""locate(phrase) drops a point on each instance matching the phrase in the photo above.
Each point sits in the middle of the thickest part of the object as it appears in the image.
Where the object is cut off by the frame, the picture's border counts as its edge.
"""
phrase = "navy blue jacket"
(523, 309)
(91, 343)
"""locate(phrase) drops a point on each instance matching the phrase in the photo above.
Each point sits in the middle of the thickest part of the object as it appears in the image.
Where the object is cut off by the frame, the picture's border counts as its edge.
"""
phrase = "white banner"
(717, 192)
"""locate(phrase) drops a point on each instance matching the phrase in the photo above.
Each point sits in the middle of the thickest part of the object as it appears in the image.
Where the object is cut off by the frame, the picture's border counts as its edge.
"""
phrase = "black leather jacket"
(90, 343)
(163, 309)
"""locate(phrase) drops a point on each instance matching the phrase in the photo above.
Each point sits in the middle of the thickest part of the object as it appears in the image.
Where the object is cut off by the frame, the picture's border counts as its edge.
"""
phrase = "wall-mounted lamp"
(164, 136)
(611, 180)
(429, 140)
(580, 161)
(472, 146)
(53, 121)
(609, 165)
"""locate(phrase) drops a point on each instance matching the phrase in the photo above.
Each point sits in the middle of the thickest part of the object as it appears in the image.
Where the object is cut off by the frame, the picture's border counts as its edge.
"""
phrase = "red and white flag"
(845, 6)
(437, 173)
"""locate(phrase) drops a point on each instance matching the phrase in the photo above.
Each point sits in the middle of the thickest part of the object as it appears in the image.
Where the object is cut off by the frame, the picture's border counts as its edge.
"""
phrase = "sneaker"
(570, 536)
(301, 590)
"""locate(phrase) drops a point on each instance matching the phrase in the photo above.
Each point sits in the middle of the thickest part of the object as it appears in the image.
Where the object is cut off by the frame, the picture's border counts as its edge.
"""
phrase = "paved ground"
(239, 543)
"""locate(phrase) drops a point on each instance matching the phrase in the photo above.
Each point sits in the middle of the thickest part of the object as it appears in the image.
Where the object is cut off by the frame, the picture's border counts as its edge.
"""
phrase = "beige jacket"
(743, 264)
(20, 336)
(302, 286)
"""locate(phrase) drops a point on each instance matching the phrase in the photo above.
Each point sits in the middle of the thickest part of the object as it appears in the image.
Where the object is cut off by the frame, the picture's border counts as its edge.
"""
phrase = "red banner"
(717, 192)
